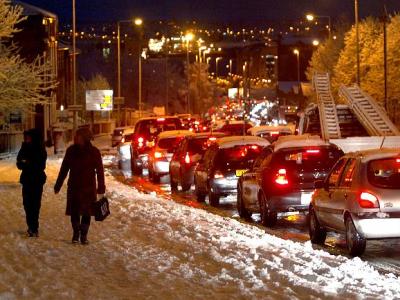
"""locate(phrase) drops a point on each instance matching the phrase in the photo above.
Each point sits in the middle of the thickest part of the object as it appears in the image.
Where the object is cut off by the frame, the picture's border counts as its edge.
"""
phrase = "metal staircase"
(370, 114)
(330, 128)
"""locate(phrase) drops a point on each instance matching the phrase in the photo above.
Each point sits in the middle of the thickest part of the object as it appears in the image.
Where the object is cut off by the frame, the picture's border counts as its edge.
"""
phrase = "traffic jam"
(267, 173)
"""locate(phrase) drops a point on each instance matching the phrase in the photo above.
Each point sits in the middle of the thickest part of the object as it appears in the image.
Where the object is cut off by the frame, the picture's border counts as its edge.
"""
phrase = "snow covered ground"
(157, 249)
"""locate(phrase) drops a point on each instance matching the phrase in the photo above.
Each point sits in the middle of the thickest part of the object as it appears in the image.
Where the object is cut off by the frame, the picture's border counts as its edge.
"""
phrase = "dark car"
(224, 162)
(186, 156)
(285, 178)
(146, 131)
(235, 128)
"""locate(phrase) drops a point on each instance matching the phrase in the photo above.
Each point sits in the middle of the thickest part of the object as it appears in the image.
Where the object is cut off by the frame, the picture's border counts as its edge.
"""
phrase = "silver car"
(360, 197)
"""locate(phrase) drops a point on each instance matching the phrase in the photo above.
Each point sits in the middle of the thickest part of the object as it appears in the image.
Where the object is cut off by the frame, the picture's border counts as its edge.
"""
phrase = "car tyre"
(174, 185)
(317, 233)
(200, 197)
(243, 212)
(268, 217)
(213, 198)
(356, 243)
(135, 169)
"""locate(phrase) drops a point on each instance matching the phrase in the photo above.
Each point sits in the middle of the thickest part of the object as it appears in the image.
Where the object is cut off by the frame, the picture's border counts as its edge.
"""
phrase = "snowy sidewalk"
(157, 249)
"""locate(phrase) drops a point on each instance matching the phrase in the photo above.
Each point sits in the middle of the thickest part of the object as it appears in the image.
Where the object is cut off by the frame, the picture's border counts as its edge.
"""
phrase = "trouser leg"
(85, 224)
(32, 196)
(76, 223)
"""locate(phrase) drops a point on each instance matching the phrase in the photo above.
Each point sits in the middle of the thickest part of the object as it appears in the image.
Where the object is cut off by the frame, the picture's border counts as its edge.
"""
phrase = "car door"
(324, 199)
(250, 186)
(342, 194)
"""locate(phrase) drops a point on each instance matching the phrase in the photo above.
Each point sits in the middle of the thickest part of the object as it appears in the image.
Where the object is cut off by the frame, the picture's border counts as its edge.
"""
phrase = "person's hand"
(100, 196)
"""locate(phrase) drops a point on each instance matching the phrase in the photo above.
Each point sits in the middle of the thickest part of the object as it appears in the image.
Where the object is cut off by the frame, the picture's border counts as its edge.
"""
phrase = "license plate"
(305, 198)
(240, 172)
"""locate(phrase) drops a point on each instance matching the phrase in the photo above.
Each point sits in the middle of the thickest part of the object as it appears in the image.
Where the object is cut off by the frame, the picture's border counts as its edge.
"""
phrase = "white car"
(160, 157)
(270, 133)
(119, 133)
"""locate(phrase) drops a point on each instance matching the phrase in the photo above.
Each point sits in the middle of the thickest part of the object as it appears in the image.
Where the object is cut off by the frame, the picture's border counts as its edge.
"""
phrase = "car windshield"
(311, 158)
(169, 144)
(151, 128)
(238, 157)
(385, 173)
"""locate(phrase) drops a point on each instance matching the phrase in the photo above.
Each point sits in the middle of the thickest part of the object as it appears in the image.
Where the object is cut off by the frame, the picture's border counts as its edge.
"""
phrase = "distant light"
(138, 22)
(62, 108)
(296, 51)
(315, 42)
(310, 17)
(189, 36)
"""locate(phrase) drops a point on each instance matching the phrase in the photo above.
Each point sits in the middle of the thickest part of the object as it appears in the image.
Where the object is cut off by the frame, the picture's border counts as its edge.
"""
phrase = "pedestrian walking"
(31, 160)
(83, 162)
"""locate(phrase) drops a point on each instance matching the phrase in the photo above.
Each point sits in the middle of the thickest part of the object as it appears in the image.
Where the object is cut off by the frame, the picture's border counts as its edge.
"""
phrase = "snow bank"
(154, 248)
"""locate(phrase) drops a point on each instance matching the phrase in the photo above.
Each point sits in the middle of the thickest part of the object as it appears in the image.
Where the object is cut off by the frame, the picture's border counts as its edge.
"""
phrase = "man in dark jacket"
(31, 160)
(84, 163)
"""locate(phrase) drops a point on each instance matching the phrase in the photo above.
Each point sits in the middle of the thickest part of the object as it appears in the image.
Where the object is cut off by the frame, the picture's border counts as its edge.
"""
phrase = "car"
(146, 130)
(161, 155)
(234, 128)
(359, 198)
(283, 181)
(224, 162)
(119, 134)
(124, 147)
(271, 133)
(186, 157)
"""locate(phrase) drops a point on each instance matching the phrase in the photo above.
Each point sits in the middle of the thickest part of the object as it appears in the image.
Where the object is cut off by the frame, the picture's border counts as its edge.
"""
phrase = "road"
(384, 255)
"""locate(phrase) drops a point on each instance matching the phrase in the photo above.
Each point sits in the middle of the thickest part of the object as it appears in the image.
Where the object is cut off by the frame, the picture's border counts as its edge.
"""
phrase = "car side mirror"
(320, 184)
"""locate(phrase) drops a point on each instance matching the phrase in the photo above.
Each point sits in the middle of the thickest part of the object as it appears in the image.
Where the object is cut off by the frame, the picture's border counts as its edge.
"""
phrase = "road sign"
(99, 100)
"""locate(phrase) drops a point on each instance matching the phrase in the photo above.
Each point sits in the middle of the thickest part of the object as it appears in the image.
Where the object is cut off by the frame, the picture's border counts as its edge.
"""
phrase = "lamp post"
(230, 66)
(138, 23)
(356, 16)
(216, 66)
(188, 38)
(297, 53)
(312, 17)
(75, 119)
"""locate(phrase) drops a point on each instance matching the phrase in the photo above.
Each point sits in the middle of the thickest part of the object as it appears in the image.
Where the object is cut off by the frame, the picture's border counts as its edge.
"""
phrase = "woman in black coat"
(84, 163)
(31, 160)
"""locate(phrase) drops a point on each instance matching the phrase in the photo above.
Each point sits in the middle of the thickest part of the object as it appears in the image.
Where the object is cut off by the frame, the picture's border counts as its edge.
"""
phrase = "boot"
(84, 232)
(75, 237)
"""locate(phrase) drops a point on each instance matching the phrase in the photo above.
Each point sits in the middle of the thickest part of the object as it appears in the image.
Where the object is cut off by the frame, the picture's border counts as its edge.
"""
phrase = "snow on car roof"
(265, 128)
(232, 141)
(125, 128)
(174, 133)
(206, 134)
(368, 155)
(294, 141)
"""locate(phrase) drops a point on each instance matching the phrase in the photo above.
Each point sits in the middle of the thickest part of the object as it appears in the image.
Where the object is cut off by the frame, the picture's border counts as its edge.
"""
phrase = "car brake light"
(281, 177)
(158, 154)
(218, 175)
(274, 133)
(254, 147)
(212, 139)
(187, 158)
(398, 160)
(160, 119)
(312, 151)
(367, 200)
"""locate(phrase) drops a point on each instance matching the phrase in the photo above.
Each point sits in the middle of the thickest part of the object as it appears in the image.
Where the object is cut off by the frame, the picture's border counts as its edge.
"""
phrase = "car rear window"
(311, 158)
(235, 129)
(237, 157)
(117, 132)
(198, 146)
(169, 144)
(385, 173)
(151, 128)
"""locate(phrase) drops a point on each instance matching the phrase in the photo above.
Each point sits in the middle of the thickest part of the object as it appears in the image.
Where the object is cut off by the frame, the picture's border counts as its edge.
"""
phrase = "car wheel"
(243, 212)
(174, 185)
(317, 233)
(213, 198)
(268, 217)
(356, 243)
(199, 195)
(135, 169)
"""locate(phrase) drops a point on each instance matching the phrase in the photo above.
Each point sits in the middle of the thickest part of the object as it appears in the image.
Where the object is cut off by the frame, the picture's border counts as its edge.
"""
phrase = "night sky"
(209, 10)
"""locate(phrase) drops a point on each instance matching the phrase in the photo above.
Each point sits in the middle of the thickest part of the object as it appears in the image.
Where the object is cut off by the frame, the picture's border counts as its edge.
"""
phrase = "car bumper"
(224, 186)
(295, 201)
(161, 167)
(124, 152)
(377, 228)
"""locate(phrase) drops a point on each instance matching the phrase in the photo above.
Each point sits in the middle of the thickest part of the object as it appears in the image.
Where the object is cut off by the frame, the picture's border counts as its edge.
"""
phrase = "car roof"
(206, 134)
(373, 154)
(156, 118)
(174, 133)
(265, 128)
(232, 141)
(296, 141)
(125, 128)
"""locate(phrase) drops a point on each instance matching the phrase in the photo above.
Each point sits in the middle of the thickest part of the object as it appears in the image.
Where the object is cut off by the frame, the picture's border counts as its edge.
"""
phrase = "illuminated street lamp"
(139, 23)
(216, 66)
(297, 53)
(315, 43)
(312, 17)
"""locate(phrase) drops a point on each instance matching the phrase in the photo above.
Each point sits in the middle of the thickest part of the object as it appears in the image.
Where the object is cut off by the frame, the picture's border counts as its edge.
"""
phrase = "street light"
(188, 38)
(216, 66)
(315, 43)
(312, 17)
(138, 23)
(357, 41)
(297, 53)
(230, 66)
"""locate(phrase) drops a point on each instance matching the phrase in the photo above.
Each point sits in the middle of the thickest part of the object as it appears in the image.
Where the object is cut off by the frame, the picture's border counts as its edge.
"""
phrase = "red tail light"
(158, 154)
(281, 178)
(212, 139)
(187, 158)
(312, 151)
(368, 200)
(160, 119)
(398, 160)
(274, 133)
(218, 175)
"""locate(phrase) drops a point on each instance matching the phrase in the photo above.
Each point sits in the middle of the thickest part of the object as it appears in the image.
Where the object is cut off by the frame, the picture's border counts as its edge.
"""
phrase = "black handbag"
(101, 209)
